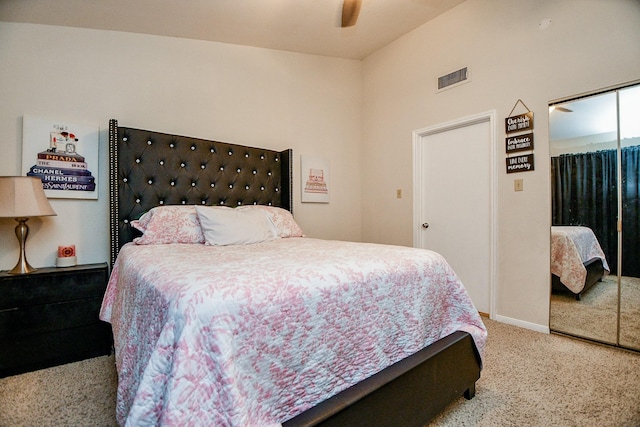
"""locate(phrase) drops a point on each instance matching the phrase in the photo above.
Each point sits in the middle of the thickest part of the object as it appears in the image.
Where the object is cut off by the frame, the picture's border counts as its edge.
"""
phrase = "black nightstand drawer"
(50, 317)
(49, 285)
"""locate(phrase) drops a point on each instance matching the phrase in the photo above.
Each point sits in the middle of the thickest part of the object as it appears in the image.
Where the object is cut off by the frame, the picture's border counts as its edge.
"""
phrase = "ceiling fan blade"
(350, 11)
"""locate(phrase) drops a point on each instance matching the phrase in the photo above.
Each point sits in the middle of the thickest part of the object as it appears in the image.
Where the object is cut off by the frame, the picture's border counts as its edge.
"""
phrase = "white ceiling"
(308, 26)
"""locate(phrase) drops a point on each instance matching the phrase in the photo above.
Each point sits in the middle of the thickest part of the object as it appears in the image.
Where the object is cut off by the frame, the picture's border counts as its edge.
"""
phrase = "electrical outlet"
(518, 185)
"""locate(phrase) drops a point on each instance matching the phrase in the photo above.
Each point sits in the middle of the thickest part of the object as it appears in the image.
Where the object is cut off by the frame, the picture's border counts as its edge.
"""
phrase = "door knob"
(425, 225)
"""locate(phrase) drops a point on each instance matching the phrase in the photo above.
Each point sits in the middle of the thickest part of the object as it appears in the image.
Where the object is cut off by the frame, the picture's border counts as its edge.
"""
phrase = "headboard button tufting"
(148, 169)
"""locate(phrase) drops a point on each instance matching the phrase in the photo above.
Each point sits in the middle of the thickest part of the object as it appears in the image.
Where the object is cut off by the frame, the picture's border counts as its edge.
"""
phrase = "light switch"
(518, 185)
(399, 193)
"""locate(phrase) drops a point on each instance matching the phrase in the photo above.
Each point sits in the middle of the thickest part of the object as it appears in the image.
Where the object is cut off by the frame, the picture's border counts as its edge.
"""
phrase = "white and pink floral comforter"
(253, 335)
(571, 247)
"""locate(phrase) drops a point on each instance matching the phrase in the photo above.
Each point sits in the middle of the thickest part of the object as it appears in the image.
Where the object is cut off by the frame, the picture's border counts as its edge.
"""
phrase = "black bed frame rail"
(407, 393)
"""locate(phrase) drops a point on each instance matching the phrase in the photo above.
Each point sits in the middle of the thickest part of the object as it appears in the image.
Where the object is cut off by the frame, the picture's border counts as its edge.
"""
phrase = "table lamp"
(22, 197)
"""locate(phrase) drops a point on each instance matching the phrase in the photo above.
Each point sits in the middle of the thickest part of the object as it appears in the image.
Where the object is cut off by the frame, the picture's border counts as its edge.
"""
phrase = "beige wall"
(590, 44)
(238, 94)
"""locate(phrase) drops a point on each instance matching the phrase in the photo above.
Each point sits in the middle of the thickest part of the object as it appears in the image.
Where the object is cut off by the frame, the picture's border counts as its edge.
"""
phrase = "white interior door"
(453, 200)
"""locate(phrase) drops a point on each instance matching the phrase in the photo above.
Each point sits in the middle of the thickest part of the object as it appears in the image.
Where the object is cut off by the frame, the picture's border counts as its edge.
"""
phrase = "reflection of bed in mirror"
(577, 260)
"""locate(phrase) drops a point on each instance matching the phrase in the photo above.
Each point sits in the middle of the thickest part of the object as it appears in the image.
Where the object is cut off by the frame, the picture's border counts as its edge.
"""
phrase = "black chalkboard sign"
(520, 163)
(514, 144)
(519, 123)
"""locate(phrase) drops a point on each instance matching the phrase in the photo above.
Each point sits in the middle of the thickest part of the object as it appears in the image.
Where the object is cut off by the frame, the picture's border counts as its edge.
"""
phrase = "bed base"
(408, 393)
(595, 273)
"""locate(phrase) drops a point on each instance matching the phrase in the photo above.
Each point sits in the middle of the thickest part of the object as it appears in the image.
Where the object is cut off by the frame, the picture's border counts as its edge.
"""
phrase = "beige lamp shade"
(23, 197)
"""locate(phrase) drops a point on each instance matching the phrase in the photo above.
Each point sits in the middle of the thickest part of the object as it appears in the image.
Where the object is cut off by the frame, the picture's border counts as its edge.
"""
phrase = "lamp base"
(22, 231)
(22, 268)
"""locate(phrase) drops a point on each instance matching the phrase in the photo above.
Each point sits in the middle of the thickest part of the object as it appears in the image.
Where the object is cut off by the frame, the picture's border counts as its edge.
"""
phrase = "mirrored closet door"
(595, 234)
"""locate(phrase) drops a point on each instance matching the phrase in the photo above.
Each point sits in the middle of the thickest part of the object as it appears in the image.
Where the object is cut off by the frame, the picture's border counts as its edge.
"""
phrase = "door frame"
(418, 214)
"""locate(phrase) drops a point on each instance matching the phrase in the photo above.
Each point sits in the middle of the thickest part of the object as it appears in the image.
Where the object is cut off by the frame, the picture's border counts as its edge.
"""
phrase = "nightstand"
(50, 317)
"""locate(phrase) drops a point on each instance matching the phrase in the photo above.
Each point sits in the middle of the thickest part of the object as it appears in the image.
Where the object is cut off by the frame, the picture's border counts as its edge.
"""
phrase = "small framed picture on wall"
(314, 179)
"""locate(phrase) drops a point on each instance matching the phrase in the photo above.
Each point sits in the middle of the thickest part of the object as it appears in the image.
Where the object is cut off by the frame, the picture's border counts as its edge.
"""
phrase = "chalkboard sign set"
(517, 141)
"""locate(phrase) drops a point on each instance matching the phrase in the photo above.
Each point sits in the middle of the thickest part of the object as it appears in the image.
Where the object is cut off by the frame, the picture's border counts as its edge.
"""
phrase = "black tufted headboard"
(148, 169)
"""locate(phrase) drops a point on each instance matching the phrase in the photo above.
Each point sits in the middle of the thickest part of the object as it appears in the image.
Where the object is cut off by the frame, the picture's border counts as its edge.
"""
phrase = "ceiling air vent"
(455, 78)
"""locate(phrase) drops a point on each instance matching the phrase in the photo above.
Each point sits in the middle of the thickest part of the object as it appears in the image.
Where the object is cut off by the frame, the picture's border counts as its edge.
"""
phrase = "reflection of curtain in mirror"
(630, 209)
(584, 192)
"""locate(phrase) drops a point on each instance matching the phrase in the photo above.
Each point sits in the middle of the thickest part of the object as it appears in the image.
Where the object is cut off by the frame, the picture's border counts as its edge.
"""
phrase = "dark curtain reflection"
(584, 192)
(630, 163)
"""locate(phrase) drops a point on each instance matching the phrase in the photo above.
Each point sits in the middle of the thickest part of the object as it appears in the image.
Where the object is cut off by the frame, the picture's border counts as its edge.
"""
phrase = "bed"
(255, 334)
(577, 260)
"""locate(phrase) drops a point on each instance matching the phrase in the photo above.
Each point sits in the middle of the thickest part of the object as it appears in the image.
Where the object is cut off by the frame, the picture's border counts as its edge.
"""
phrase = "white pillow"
(227, 226)
(285, 225)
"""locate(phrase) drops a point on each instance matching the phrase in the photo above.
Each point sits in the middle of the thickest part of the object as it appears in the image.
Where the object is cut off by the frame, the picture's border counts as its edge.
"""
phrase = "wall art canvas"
(64, 155)
(315, 179)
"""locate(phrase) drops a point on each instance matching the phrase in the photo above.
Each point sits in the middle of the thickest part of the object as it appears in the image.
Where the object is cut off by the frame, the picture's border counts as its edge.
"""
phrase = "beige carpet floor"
(535, 379)
(79, 394)
(529, 379)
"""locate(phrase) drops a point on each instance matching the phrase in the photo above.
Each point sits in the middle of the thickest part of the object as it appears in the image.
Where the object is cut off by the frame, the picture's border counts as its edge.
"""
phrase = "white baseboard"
(521, 323)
